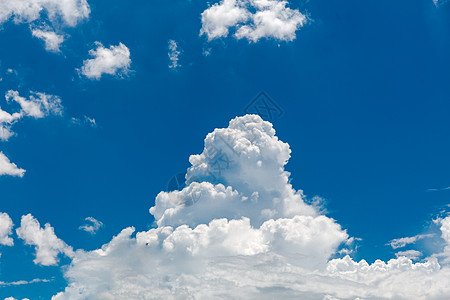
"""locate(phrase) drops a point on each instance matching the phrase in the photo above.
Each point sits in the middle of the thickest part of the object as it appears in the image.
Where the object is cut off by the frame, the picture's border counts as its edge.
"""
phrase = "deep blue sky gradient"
(364, 89)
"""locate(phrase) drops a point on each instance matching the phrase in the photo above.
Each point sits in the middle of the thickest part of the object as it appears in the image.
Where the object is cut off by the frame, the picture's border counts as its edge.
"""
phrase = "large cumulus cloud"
(239, 230)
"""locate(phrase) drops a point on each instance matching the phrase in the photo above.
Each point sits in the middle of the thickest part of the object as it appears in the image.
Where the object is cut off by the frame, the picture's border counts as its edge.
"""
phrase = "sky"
(224, 149)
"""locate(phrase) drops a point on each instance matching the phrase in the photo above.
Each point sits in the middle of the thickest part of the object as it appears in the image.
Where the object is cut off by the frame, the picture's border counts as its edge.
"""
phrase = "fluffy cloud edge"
(47, 245)
(114, 61)
(252, 20)
(9, 168)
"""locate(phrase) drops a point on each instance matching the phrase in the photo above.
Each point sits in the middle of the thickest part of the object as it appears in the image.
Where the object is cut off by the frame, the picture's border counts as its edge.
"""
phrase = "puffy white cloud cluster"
(48, 246)
(114, 60)
(38, 105)
(51, 39)
(69, 12)
(6, 226)
(252, 19)
(238, 230)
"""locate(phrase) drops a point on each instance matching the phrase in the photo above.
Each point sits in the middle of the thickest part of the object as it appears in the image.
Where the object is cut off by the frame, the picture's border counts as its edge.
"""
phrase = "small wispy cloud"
(174, 54)
(439, 190)
(402, 242)
(92, 225)
(23, 282)
(84, 121)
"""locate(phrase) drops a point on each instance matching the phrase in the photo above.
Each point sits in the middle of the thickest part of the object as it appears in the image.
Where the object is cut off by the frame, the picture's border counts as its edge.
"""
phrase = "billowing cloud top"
(248, 160)
(239, 230)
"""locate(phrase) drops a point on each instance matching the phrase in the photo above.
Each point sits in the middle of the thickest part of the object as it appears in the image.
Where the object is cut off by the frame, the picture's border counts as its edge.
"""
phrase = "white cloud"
(411, 254)
(60, 13)
(6, 226)
(92, 226)
(48, 246)
(252, 19)
(68, 12)
(239, 230)
(173, 54)
(38, 105)
(9, 168)
(6, 121)
(445, 234)
(12, 298)
(23, 282)
(51, 39)
(402, 242)
(114, 60)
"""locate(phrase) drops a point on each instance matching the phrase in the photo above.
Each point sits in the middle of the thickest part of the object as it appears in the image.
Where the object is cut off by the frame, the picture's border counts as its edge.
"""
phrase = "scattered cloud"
(38, 105)
(67, 12)
(23, 282)
(252, 20)
(92, 225)
(47, 245)
(6, 121)
(84, 121)
(439, 190)
(51, 13)
(173, 55)
(402, 242)
(114, 60)
(6, 226)
(51, 39)
(9, 168)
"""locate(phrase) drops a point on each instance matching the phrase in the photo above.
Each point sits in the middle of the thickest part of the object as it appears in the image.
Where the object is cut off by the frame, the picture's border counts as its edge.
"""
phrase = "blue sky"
(363, 87)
